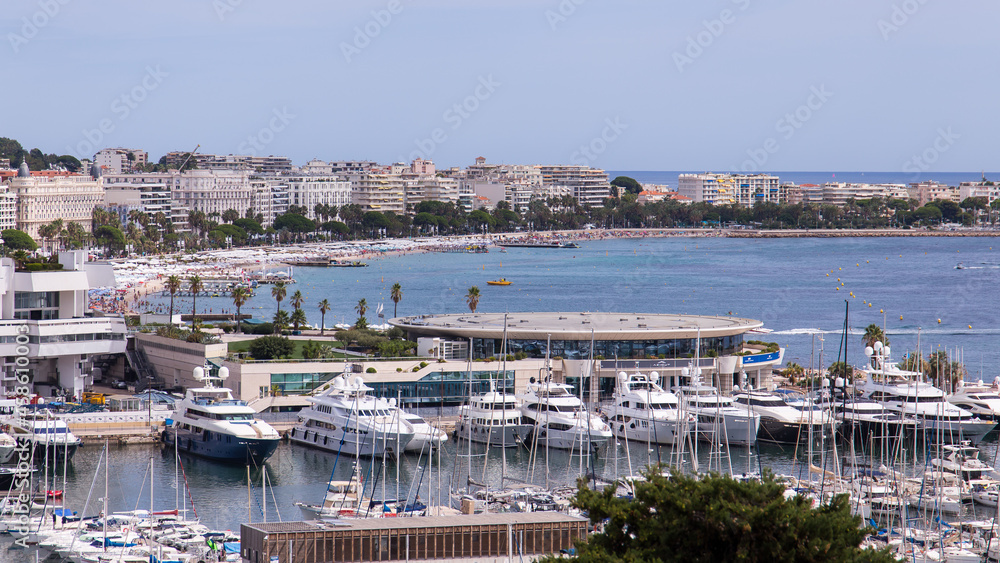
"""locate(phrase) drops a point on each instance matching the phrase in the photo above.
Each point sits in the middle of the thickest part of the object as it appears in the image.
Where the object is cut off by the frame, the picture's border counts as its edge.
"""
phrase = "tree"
(240, 297)
(361, 308)
(295, 223)
(18, 240)
(173, 285)
(297, 299)
(472, 298)
(271, 347)
(628, 185)
(298, 318)
(109, 237)
(717, 518)
(324, 307)
(873, 333)
(396, 294)
(280, 321)
(230, 215)
(841, 369)
(278, 291)
(195, 285)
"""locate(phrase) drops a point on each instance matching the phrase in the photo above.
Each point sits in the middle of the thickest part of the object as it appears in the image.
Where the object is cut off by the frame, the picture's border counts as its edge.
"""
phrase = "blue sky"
(623, 85)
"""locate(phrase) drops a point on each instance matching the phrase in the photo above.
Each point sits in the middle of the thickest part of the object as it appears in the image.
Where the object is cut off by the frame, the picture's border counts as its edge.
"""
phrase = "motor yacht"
(902, 392)
(48, 435)
(559, 419)
(425, 435)
(980, 400)
(210, 423)
(345, 418)
(718, 417)
(963, 461)
(492, 418)
(782, 423)
(866, 420)
(642, 411)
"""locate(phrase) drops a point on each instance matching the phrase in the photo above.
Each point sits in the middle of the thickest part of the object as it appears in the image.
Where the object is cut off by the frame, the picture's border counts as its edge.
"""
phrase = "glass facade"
(36, 305)
(610, 349)
(299, 383)
(444, 388)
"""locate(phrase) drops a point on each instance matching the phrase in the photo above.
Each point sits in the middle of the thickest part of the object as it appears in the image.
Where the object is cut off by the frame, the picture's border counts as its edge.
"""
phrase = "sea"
(669, 178)
(801, 289)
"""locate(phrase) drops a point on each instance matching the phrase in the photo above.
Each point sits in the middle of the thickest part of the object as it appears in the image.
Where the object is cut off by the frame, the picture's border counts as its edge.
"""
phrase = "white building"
(723, 189)
(117, 161)
(148, 193)
(43, 199)
(982, 189)
(212, 191)
(311, 190)
(378, 192)
(43, 319)
(590, 186)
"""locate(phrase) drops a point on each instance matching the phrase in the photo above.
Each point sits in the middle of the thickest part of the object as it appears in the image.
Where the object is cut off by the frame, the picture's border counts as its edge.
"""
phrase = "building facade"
(589, 186)
(41, 199)
(727, 189)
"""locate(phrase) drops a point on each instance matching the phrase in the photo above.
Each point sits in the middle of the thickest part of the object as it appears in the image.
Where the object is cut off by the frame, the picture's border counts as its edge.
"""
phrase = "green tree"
(717, 518)
(271, 347)
(298, 318)
(249, 226)
(280, 321)
(361, 308)
(297, 299)
(873, 333)
(18, 240)
(627, 185)
(295, 223)
(324, 308)
(841, 369)
(278, 291)
(472, 298)
(173, 285)
(240, 297)
(195, 285)
(109, 237)
(396, 294)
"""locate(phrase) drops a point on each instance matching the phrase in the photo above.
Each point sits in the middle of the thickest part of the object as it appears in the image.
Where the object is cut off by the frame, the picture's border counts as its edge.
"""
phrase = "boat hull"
(52, 452)
(656, 432)
(735, 430)
(363, 444)
(568, 439)
(950, 433)
(510, 435)
(779, 432)
(222, 448)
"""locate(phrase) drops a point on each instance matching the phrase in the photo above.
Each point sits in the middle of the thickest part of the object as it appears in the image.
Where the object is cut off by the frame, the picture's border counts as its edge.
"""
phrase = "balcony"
(62, 337)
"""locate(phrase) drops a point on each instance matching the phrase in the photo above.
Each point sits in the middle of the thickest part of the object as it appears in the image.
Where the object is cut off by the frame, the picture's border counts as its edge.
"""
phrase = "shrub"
(423, 365)
(398, 370)
(271, 347)
(371, 370)
(263, 328)
(416, 368)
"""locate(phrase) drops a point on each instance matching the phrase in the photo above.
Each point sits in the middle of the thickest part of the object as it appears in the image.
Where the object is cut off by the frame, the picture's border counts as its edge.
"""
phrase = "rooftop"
(576, 326)
(421, 522)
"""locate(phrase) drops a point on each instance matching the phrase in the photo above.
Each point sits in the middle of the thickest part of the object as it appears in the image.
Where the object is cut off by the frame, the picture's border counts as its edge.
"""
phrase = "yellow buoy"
(869, 304)
(939, 321)
(970, 326)
(840, 268)
(828, 275)
(838, 289)
(858, 264)
(901, 317)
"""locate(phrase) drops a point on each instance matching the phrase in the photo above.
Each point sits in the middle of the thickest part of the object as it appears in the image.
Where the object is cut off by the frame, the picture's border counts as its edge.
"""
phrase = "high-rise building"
(590, 186)
(378, 192)
(119, 160)
(723, 189)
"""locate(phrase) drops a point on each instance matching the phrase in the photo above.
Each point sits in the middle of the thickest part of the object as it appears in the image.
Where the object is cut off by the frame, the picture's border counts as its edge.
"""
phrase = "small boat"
(501, 281)
(960, 266)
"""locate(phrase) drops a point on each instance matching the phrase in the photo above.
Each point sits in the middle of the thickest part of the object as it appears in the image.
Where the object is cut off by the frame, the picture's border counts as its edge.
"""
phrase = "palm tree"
(280, 321)
(297, 299)
(240, 297)
(324, 306)
(874, 333)
(173, 285)
(362, 307)
(472, 298)
(195, 285)
(396, 294)
(298, 317)
(278, 291)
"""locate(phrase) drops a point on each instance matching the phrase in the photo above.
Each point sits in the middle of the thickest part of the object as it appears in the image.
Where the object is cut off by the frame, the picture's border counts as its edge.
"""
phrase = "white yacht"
(718, 418)
(980, 400)
(342, 500)
(782, 423)
(902, 392)
(49, 436)
(210, 423)
(559, 419)
(962, 461)
(643, 411)
(425, 435)
(492, 418)
(345, 418)
(7, 447)
(866, 420)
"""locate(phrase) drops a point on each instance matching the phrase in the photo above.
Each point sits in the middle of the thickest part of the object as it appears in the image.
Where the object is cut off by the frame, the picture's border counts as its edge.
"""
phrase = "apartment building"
(117, 161)
(724, 189)
(212, 191)
(930, 190)
(590, 186)
(378, 192)
(268, 165)
(311, 190)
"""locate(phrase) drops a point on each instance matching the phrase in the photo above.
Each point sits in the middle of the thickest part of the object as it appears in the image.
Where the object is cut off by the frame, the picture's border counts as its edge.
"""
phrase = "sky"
(726, 85)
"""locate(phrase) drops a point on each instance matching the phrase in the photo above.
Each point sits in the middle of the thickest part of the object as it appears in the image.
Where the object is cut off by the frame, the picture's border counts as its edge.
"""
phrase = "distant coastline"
(600, 234)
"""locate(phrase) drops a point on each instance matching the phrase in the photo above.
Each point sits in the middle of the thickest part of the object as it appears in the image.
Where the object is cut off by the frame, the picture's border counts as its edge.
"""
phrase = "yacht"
(643, 411)
(717, 416)
(492, 418)
(210, 423)
(346, 418)
(866, 420)
(980, 400)
(962, 460)
(48, 435)
(780, 422)
(559, 419)
(902, 392)
(7, 447)
(342, 500)
(425, 435)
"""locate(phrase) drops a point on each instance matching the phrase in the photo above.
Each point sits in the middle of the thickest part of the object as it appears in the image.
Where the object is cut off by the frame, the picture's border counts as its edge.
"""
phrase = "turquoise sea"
(789, 284)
